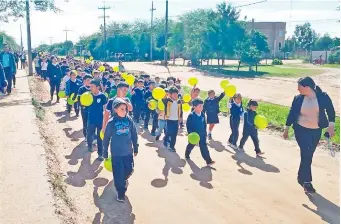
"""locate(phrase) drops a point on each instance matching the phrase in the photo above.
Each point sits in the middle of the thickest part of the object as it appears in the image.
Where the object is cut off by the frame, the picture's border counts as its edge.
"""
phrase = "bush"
(334, 58)
(277, 61)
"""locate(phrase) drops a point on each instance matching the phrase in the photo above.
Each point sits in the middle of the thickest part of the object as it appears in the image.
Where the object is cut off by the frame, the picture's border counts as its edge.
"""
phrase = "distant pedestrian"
(8, 63)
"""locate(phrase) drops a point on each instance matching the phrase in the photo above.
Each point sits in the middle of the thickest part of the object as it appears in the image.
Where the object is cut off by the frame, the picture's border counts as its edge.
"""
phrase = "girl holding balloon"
(236, 113)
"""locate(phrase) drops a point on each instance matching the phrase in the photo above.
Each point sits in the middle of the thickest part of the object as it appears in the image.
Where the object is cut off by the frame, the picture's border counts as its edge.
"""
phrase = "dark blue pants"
(154, 117)
(171, 133)
(91, 131)
(85, 121)
(307, 140)
(137, 112)
(75, 106)
(54, 87)
(253, 133)
(203, 149)
(234, 124)
(123, 168)
(9, 77)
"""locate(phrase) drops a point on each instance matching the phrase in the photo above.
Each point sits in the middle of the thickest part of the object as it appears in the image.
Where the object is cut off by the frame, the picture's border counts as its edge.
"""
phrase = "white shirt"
(173, 116)
(44, 66)
(64, 80)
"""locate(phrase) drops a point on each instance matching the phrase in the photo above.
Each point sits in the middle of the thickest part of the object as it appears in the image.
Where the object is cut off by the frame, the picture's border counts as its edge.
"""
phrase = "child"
(161, 118)
(121, 134)
(44, 66)
(157, 81)
(138, 101)
(211, 109)
(173, 111)
(95, 117)
(72, 87)
(65, 79)
(147, 97)
(196, 123)
(250, 128)
(108, 85)
(146, 81)
(236, 111)
(84, 109)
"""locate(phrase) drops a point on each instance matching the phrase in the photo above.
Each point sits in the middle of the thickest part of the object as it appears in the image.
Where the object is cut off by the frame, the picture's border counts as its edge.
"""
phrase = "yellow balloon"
(161, 105)
(261, 122)
(124, 75)
(108, 164)
(152, 104)
(70, 101)
(101, 68)
(106, 94)
(61, 94)
(187, 97)
(192, 81)
(91, 58)
(186, 107)
(86, 99)
(158, 93)
(130, 79)
(224, 83)
(87, 61)
(230, 90)
(72, 96)
(116, 69)
(101, 135)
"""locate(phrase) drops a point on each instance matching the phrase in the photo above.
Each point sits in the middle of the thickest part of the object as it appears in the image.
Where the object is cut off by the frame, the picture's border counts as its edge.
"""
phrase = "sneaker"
(157, 138)
(172, 149)
(77, 115)
(120, 198)
(187, 157)
(90, 149)
(165, 144)
(234, 147)
(308, 187)
(13, 87)
(260, 153)
(100, 158)
(209, 136)
(241, 149)
(210, 163)
(94, 142)
(153, 134)
(57, 100)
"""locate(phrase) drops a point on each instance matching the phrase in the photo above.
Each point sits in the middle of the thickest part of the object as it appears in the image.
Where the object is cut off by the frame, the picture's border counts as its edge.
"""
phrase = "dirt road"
(274, 90)
(167, 189)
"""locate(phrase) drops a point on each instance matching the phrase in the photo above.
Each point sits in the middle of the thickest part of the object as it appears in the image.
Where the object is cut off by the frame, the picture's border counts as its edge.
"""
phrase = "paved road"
(274, 90)
(25, 195)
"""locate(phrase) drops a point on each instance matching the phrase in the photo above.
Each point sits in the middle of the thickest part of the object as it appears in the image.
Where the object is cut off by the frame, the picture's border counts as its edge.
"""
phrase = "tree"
(289, 45)
(323, 43)
(177, 38)
(4, 38)
(251, 56)
(260, 41)
(16, 9)
(305, 36)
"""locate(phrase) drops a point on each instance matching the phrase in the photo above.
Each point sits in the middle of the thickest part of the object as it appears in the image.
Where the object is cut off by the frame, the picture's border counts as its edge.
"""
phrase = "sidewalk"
(25, 196)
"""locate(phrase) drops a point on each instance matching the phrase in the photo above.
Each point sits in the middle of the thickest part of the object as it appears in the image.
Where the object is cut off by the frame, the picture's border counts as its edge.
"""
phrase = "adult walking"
(8, 63)
(3, 81)
(23, 60)
(54, 74)
(308, 117)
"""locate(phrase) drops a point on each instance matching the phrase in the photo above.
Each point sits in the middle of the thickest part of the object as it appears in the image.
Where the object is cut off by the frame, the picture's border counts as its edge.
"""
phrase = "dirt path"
(274, 90)
(166, 189)
(25, 196)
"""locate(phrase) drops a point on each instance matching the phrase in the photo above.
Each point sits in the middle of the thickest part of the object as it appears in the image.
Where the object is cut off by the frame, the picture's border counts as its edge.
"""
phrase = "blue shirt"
(5, 60)
(95, 110)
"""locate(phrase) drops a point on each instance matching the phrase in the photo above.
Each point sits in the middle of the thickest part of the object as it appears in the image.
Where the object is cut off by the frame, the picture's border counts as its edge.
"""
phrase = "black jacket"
(54, 72)
(249, 120)
(211, 106)
(325, 105)
(196, 124)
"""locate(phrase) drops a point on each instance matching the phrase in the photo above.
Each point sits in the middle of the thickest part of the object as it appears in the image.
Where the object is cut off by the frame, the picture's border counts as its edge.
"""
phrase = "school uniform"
(55, 76)
(138, 103)
(72, 87)
(162, 122)
(121, 134)
(8, 63)
(197, 123)
(43, 68)
(109, 107)
(236, 111)
(84, 109)
(173, 110)
(150, 113)
(95, 120)
(211, 109)
(250, 130)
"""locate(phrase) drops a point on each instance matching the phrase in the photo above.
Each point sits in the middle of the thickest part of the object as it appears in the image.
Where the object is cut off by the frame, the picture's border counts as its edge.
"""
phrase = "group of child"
(117, 109)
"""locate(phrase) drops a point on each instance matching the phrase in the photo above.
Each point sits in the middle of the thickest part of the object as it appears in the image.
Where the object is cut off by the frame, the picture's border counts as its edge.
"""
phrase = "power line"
(66, 31)
(104, 8)
(253, 3)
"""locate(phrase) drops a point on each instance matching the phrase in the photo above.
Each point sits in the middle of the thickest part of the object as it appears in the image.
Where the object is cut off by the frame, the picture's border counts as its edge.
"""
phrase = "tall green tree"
(305, 36)
(323, 43)
(4, 38)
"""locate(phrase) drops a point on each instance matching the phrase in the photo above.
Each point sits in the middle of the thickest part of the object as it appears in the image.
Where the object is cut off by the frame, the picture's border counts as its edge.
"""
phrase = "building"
(275, 31)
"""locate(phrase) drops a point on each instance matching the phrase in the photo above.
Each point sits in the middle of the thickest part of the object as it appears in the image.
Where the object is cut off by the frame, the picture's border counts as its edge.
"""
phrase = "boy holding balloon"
(84, 109)
(196, 129)
(71, 90)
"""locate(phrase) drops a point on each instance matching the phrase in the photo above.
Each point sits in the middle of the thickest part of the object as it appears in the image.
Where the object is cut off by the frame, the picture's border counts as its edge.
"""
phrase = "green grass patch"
(331, 65)
(276, 114)
(263, 70)
(39, 110)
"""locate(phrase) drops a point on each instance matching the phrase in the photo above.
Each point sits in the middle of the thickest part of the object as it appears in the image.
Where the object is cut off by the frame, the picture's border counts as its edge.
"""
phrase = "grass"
(263, 70)
(331, 65)
(39, 110)
(276, 114)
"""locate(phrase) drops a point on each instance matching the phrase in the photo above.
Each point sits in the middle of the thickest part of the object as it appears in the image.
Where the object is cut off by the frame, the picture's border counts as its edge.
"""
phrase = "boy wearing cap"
(196, 122)
(121, 134)
(95, 117)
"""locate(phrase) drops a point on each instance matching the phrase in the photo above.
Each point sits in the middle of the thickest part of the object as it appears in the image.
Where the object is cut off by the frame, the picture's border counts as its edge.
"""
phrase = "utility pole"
(104, 8)
(66, 30)
(166, 35)
(21, 44)
(29, 48)
(51, 38)
(151, 31)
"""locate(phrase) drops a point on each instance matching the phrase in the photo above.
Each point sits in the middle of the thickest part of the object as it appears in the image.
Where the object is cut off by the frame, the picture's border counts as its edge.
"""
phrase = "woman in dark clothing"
(54, 74)
(308, 117)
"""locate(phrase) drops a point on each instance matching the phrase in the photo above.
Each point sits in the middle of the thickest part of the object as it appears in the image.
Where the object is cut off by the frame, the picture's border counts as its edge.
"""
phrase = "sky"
(82, 16)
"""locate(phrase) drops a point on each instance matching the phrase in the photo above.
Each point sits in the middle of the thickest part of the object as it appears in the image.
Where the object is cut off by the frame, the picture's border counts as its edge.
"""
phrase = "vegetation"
(4, 38)
(277, 61)
(334, 58)
(276, 114)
